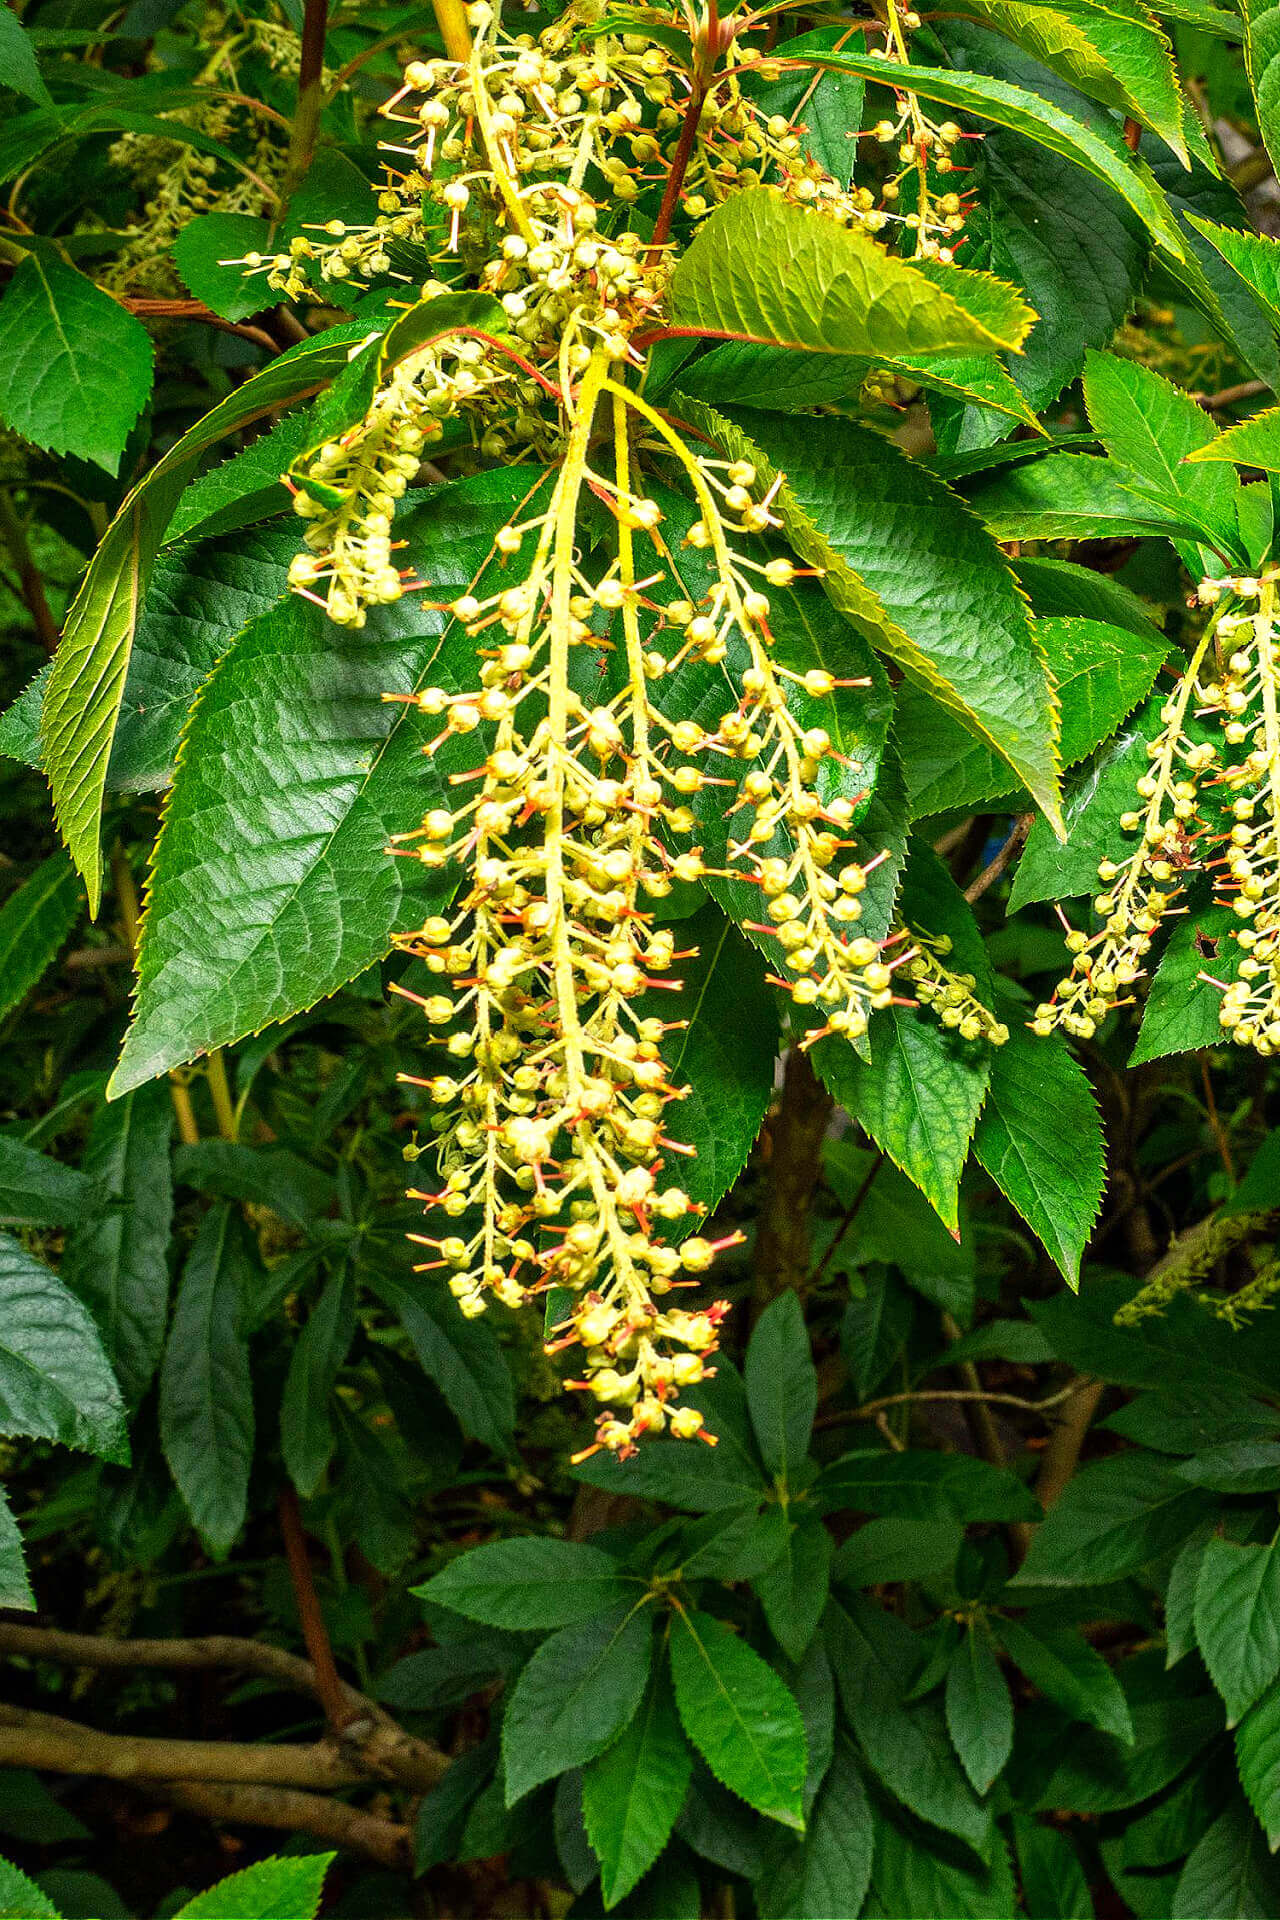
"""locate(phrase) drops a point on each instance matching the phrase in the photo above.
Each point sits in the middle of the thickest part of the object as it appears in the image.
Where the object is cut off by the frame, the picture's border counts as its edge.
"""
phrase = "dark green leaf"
(1039, 1136)
(1237, 1620)
(884, 1552)
(1068, 1671)
(979, 1710)
(75, 365)
(293, 757)
(1053, 1882)
(875, 1658)
(905, 562)
(36, 1191)
(633, 1792)
(118, 1262)
(462, 1357)
(18, 66)
(34, 922)
(913, 1880)
(923, 1486)
(1236, 1466)
(1182, 1009)
(55, 1383)
(266, 1176)
(740, 1716)
(15, 1587)
(533, 1583)
(1229, 1873)
(207, 253)
(575, 1696)
(782, 1386)
(793, 1591)
(306, 1423)
(1115, 1517)
(206, 1395)
(1258, 1761)
(825, 1875)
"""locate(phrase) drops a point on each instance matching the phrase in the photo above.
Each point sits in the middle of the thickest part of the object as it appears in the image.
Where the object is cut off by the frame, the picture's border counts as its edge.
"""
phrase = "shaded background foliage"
(342, 1546)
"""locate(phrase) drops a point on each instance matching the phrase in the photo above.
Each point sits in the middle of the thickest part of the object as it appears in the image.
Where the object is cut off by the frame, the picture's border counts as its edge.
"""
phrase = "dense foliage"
(661, 626)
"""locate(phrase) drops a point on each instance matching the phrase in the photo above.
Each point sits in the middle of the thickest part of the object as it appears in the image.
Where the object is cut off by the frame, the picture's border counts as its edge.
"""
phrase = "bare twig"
(851, 1213)
(1228, 397)
(285, 1807)
(329, 1688)
(873, 1408)
(30, 579)
(42, 1740)
(1016, 841)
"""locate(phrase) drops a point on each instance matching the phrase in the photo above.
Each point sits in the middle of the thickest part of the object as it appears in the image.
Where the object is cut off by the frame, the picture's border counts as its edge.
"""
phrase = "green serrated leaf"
(34, 923)
(632, 1793)
(55, 1382)
(36, 1191)
(1116, 55)
(277, 1889)
(248, 486)
(22, 1899)
(82, 701)
(1151, 428)
(920, 1094)
(19, 68)
(206, 1393)
(978, 1709)
(15, 1587)
(793, 1590)
(782, 1386)
(1067, 1670)
(1100, 672)
(739, 1715)
(875, 303)
(1094, 800)
(1053, 1881)
(924, 1487)
(1237, 1620)
(1250, 443)
(1229, 1872)
(1262, 64)
(225, 952)
(575, 1696)
(1073, 496)
(905, 562)
(1116, 1516)
(530, 1583)
(207, 254)
(912, 1879)
(824, 1876)
(1258, 1761)
(1039, 1136)
(724, 1053)
(875, 1657)
(117, 1262)
(75, 365)
(462, 1357)
(307, 1436)
(1182, 1009)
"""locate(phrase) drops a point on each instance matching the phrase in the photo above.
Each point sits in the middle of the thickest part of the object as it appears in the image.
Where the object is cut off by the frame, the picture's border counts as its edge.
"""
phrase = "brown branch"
(847, 1416)
(148, 308)
(329, 1688)
(43, 1740)
(379, 1745)
(311, 1813)
(306, 117)
(1228, 396)
(796, 1134)
(1009, 852)
(30, 579)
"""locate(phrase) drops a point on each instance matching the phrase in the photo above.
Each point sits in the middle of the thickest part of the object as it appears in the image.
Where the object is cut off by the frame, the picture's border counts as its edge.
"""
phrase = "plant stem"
(797, 1134)
(30, 581)
(220, 1093)
(329, 1687)
(451, 18)
(306, 117)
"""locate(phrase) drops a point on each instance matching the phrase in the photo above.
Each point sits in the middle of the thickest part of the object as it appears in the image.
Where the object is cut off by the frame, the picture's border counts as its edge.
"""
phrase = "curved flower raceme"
(555, 1118)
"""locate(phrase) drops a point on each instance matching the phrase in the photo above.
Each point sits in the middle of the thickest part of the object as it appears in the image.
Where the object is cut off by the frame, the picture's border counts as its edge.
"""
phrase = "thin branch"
(329, 1688)
(1228, 397)
(311, 1813)
(148, 308)
(306, 117)
(850, 1215)
(1219, 1131)
(1016, 841)
(874, 1408)
(30, 579)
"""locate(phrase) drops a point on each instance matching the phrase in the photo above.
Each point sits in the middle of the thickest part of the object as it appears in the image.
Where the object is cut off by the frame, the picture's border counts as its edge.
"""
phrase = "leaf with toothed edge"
(271, 885)
(906, 562)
